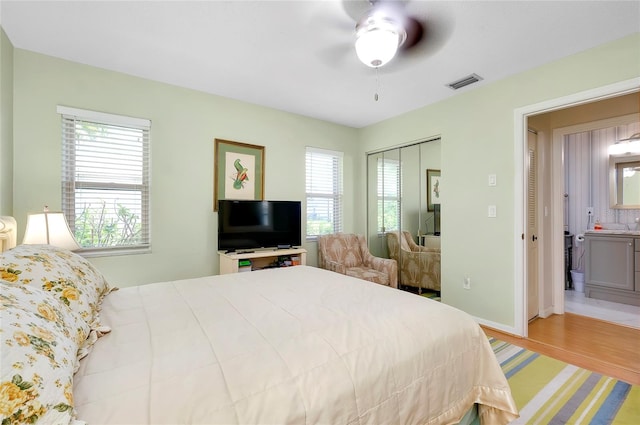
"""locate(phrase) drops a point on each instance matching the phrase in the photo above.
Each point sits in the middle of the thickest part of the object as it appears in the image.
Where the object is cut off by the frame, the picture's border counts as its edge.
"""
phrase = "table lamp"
(49, 228)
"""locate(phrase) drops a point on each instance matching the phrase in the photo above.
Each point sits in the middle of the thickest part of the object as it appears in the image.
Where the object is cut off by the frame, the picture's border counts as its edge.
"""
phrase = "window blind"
(324, 192)
(106, 180)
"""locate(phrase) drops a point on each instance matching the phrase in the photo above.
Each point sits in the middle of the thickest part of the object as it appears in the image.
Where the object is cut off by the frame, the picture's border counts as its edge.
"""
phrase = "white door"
(532, 228)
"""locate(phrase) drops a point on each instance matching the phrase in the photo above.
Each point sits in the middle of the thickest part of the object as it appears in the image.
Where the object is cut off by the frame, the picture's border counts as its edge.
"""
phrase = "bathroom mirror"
(624, 181)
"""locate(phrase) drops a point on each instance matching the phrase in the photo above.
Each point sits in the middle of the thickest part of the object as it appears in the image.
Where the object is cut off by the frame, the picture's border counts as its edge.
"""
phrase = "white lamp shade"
(377, 46)
(49, 228)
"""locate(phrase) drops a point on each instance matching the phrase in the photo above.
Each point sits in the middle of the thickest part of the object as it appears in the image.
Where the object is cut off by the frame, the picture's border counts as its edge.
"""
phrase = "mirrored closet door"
(403, 202)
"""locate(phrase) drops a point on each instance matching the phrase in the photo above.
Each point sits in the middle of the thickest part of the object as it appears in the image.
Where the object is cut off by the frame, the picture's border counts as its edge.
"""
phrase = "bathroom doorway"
(556, 128)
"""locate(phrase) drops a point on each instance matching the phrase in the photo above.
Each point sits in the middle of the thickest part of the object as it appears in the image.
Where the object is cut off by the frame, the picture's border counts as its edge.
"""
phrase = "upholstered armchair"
(417, 266)
(349, 254)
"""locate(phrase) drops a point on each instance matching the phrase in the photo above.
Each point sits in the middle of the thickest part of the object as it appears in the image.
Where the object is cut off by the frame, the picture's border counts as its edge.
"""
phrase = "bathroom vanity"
(612, 270)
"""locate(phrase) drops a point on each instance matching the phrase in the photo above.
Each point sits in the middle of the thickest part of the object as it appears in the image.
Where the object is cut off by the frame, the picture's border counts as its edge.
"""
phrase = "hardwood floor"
(593, 344)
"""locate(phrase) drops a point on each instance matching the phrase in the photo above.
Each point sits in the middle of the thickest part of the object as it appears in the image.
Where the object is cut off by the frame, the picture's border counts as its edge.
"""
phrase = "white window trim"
(338, 196)
(103, 117)
(115, 120)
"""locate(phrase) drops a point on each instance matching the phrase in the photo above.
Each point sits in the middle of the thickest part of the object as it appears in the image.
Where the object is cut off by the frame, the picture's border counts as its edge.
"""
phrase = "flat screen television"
(244, 225)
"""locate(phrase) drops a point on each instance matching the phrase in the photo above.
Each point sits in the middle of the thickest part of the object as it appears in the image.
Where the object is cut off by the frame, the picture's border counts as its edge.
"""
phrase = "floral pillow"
(68, 276)
(39, 344)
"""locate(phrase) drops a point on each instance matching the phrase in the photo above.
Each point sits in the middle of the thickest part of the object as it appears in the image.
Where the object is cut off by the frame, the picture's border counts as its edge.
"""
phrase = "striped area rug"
(548, 391)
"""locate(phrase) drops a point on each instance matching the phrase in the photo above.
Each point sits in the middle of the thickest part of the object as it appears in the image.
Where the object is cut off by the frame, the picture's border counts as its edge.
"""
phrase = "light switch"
(492, 211)
(492, 180)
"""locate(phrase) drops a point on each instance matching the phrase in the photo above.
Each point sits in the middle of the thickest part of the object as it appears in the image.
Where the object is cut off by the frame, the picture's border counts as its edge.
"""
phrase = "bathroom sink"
(632, 229)
(614, 232)
(614, 226)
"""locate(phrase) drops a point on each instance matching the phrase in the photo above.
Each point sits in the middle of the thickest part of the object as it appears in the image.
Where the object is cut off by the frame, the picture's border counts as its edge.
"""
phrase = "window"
(324, 192)
(105, 181)
(388, 195)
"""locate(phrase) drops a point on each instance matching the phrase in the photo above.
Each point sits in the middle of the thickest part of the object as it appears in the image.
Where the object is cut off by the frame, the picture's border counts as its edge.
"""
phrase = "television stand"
(260, 259)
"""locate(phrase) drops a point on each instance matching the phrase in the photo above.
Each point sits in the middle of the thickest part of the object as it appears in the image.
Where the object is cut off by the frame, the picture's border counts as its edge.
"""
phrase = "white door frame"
(557, 238)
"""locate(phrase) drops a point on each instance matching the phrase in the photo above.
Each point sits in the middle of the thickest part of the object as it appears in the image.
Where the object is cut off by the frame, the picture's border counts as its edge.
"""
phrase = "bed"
(291, 345)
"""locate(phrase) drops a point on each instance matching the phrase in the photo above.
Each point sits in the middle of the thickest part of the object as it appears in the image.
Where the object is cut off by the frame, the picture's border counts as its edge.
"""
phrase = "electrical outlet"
(590, 211)
(467, 283)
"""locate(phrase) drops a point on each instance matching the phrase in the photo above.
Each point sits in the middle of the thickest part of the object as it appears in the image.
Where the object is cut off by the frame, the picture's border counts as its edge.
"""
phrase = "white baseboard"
(546, 312)
(498, 326)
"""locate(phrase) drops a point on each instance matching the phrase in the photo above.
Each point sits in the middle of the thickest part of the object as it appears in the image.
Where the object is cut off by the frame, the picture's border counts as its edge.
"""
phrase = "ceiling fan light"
(377, 41)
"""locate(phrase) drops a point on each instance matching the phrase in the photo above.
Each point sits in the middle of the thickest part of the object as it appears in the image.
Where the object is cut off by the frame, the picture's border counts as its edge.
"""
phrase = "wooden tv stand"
(260, 258)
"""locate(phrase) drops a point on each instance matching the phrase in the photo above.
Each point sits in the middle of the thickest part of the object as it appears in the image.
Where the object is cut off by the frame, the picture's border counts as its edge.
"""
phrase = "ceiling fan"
(422, 26)
(418, 30)
(383, 27)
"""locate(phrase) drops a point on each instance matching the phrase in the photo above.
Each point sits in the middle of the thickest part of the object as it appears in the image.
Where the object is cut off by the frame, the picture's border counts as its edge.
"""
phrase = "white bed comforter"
(295, 345)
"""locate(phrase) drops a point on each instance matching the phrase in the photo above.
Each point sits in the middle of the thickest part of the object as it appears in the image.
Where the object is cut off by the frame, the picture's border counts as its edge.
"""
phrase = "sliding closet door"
(411, 188)
(397, 194)
(383, 208)
(395, 183)
(429, 166)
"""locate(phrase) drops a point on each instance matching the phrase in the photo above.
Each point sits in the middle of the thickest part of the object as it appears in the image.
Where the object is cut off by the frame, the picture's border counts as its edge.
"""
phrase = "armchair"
(417, 266)
(349, 254)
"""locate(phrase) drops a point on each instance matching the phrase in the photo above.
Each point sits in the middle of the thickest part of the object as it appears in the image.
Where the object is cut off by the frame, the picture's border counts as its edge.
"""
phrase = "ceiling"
(298, 56)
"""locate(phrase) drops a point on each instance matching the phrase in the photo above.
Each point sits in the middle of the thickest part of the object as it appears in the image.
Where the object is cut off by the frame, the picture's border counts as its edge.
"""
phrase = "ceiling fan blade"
(415, 33)
(356, 9)
(328, 21)
(336, 54)
(426, 36)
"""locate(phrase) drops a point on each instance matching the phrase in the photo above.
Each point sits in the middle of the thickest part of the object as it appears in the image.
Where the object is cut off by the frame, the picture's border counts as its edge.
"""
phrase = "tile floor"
(576, 302)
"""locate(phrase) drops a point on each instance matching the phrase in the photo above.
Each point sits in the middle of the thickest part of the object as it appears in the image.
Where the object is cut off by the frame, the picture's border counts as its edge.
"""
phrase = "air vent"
(470, 79)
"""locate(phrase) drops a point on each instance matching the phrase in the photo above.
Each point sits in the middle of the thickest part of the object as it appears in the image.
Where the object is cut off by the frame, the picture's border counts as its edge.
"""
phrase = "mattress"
(291, 345)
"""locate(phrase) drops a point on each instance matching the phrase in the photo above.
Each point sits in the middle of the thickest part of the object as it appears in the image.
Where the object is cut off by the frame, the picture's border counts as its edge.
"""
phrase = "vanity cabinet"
(638, 264)
(612, 270)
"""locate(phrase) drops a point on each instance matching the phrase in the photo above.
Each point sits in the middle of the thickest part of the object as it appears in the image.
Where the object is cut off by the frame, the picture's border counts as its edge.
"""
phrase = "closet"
(397, 193)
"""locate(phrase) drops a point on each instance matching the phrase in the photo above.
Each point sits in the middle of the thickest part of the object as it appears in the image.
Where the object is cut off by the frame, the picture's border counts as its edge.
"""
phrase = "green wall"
(184, 125)
(6, 125)
(477, 139)
(477, 132)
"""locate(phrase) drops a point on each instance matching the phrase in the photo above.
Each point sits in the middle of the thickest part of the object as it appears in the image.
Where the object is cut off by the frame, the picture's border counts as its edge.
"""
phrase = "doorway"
(587, 200)
(580, 152)
(551, 248)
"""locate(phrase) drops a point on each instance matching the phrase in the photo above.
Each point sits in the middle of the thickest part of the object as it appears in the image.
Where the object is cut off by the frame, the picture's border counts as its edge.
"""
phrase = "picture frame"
(238, 171)
(433, 188)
